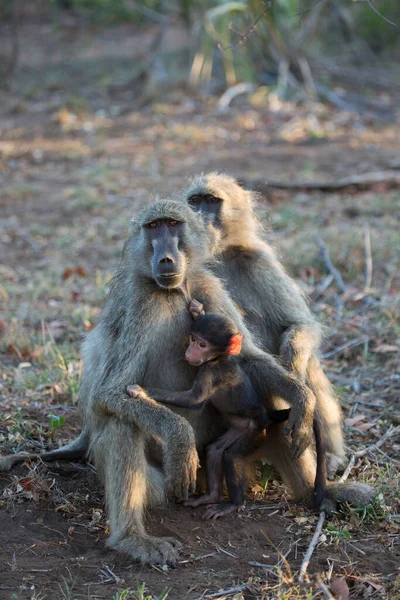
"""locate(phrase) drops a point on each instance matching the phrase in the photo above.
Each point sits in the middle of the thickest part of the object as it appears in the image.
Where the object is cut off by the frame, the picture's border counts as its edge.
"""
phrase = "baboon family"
(205, 244)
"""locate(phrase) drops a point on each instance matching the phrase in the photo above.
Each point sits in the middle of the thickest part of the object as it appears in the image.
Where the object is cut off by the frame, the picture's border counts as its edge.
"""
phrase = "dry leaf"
(365, 426)
(80, 271)
(67, 273)
(340, 589)
(351, 421)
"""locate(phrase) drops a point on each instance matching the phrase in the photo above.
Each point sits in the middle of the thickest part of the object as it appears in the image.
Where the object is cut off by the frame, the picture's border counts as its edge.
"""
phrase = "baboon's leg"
(119, 455)
(329, 414)
(296, 350)
(297, 474)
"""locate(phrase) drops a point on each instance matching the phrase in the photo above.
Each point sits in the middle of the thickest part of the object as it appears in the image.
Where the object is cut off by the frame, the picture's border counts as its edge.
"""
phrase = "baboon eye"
(195, 199)
(152, 225)
(173, 223)
(215, 200)
(192, 338)
(202, 344)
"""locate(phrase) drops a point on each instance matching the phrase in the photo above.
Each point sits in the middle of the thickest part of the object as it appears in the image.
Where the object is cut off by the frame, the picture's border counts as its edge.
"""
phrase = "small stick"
(345, 346)
(348, 469)
(368, 260)
(391, 431)
(329, 265)
(327, 594)
(376, 11)
(311, 547)
(230, 591)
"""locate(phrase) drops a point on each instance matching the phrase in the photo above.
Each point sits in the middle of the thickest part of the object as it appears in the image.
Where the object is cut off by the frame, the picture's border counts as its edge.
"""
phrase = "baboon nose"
(166, 260)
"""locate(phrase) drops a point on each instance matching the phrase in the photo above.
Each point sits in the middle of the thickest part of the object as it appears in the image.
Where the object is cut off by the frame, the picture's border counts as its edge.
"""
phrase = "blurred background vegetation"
(295, 47)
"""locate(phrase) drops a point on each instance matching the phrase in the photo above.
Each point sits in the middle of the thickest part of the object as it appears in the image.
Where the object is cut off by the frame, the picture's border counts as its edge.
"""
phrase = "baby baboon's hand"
(135, 391)
(196, 309)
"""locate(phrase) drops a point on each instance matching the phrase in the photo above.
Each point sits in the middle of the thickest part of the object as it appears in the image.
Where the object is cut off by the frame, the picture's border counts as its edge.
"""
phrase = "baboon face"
(207, 205)
(225, 208)
(168, 261)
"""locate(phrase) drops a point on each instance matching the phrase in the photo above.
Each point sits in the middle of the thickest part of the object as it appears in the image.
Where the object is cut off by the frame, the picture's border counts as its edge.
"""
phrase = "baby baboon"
(274, 308)
(223, 384)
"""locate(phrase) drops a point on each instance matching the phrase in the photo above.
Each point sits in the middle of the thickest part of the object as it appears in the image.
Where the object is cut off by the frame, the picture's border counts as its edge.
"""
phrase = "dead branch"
(349, 467)
(325, 591)
(232, 92)
(368, 260)
(376, 11)
(363, 181)
(329, 265)
(347, 345)
(222, 593)
(244, 37)
(389, 433)
(311, 547)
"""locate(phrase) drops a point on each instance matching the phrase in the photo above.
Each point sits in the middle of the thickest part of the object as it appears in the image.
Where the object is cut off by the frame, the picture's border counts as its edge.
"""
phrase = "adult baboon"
(274, 308)
(141, 339)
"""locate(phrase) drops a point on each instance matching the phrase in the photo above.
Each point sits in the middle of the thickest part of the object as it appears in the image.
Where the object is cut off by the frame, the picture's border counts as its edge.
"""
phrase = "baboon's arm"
(194, 398)
(146, 414)
(297, 345)
(153, 419)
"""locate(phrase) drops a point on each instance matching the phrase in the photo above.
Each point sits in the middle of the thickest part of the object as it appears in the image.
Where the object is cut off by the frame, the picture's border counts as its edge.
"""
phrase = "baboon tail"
(75, 449)
(355, 493)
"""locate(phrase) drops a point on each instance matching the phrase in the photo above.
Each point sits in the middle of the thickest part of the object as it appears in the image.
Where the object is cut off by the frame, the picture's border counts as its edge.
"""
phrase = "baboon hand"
(181, 471)
(196, 309)
(301, 429)
(135, 391)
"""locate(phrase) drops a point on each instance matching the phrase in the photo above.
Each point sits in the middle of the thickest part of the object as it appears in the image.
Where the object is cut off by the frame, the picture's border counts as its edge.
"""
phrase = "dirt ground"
(80, 151)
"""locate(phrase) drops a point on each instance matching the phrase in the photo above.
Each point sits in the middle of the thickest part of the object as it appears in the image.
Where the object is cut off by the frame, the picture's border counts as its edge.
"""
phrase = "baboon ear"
(235, 345)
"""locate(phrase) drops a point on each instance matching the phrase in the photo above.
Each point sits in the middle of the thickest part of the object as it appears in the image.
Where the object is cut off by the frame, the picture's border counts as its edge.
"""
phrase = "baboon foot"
(212, 498)
(216, 511)
(149, 550)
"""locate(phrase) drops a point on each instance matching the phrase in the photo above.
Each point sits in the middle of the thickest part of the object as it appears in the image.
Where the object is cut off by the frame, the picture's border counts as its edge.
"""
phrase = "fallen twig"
(244, 37)
(351, 344)
(327, 594)
(368, 260)
(376, 11)
(228, 592)
(362, 180)
(231, 93)
(311, 547)
(389, 433)
(329, 265)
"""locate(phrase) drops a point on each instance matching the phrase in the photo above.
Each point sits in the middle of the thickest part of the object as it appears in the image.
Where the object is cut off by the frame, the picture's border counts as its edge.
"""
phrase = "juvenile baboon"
(214, 345)
(273, 307)
(141, 339)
